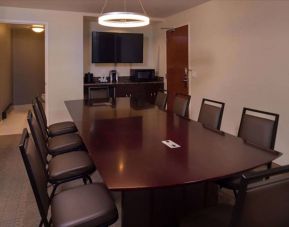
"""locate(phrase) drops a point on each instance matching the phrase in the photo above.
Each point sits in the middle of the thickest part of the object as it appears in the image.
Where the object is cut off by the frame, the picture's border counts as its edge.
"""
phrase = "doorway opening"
(22, 73)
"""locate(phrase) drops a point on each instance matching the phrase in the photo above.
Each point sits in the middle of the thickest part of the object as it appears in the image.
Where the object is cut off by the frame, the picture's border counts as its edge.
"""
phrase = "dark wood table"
(125, 144)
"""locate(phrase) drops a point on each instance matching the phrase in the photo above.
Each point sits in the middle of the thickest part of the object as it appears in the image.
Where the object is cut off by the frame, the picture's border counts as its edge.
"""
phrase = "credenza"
(127, 88)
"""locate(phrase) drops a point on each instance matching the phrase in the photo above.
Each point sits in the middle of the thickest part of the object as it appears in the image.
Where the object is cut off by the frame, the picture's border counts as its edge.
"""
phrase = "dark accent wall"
(5, 67)
(28, 65)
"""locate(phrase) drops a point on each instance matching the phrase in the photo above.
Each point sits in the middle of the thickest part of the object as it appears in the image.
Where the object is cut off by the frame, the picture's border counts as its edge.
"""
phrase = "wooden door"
(177, 63)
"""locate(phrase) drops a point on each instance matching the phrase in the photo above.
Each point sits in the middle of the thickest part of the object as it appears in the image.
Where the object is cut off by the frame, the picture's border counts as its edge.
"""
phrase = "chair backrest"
(42, 112)
(181, 104)
(265, 203)
(37, 137)
(161, 100)
(211, 113)
(39, 118)
(36, 174)
(259, 127)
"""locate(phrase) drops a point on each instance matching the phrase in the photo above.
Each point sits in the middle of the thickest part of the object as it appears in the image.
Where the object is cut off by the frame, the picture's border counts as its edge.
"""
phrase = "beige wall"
(28, 65)
(239, 53)
(65, 54)
(123, 69)
(5, 67)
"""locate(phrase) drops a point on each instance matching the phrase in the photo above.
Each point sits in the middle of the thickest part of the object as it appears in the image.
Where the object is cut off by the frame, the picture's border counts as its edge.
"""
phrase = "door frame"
(189, 62)
(29, 22)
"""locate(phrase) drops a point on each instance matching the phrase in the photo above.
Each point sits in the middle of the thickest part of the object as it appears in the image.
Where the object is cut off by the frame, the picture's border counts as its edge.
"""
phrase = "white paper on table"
(171, 144)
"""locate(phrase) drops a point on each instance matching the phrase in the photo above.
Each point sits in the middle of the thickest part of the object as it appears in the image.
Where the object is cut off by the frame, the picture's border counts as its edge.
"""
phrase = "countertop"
(123, 80)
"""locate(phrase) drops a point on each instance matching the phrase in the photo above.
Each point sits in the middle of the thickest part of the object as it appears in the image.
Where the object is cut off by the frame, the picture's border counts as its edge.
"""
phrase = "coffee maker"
(113, 75)
(88, 77)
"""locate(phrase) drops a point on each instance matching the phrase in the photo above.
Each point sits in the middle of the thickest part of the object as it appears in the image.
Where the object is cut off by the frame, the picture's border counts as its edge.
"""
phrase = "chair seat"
(64, 143)
(70, 165)
(218, 216)
(87, 205)
(61, 128)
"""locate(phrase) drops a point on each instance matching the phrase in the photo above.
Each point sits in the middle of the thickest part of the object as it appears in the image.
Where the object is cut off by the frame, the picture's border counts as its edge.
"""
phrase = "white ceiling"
(154, 8)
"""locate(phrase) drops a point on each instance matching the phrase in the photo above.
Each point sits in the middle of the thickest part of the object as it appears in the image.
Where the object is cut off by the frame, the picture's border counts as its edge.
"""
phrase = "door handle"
(187, 70)
(185, 81)
(186, 78)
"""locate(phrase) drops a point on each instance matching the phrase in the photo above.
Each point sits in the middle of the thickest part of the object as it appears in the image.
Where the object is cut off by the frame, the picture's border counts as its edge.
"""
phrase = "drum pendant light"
(123, 19)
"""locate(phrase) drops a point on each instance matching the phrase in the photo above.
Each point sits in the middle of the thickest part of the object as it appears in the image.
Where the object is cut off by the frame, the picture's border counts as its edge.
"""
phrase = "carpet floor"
(17, 203)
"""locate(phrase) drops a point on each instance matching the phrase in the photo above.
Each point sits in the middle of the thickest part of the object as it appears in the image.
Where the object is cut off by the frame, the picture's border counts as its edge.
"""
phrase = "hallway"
(15, 121)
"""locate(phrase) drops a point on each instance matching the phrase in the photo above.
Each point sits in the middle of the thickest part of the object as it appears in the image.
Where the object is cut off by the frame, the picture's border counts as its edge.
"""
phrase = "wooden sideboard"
(126, 88)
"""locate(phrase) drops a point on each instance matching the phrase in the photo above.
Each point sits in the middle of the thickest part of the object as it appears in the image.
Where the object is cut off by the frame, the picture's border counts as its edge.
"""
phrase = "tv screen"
(103, 47)
(129, 48)
(110, 47)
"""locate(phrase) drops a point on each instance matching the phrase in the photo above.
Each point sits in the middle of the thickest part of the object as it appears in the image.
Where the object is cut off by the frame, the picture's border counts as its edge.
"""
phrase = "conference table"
(127, 144)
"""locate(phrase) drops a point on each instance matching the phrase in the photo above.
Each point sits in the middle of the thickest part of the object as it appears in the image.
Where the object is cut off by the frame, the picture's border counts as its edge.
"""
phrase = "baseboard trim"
(5, 112)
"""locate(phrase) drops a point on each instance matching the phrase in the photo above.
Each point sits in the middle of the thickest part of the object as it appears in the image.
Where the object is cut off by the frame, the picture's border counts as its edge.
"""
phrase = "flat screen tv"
(108, 47)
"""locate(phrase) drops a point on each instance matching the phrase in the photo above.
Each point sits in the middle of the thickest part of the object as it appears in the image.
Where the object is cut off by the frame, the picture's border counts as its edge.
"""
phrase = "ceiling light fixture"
(38, 28)
(123, 19)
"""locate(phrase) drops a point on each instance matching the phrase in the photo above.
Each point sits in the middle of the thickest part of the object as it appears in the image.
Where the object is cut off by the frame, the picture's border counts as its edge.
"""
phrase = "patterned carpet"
(17, 204)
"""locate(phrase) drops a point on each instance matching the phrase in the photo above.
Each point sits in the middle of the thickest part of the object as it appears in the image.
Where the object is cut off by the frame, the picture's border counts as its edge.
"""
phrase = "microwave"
(142, 75)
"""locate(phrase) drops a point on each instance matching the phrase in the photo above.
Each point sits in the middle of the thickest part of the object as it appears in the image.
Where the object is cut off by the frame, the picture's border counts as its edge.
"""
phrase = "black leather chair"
(261, 204)
(161, 100)
(63, 167)
(211, 113)
(61, 143)
(181, 104)
(56, 129)
(257, 130)
(87, 205)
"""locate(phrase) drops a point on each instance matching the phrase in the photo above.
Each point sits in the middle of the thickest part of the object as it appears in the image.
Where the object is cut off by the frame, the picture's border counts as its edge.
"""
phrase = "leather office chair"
(61, 143)
(161, 100)
(259, 130)
(87, 205)
(56, 129)
(60, 147)
(211, 113)
(256, 130)
(181, 105)
(63, 167)
(262, 204)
